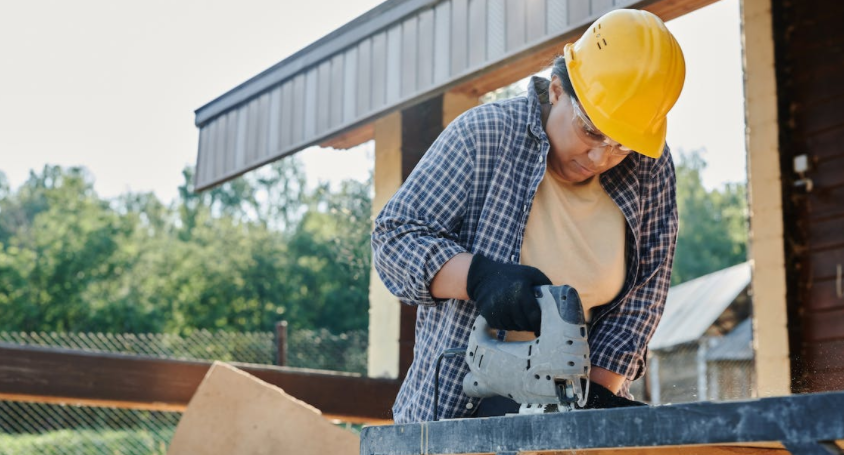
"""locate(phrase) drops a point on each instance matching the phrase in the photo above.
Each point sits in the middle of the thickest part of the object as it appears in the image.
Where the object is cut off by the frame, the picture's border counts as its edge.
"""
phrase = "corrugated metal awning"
(692, 307)
(737, 345)
(397, 54)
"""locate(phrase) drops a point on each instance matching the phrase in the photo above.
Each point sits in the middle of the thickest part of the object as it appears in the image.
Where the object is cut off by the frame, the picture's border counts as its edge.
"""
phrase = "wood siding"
(810, 67)
(400, 53)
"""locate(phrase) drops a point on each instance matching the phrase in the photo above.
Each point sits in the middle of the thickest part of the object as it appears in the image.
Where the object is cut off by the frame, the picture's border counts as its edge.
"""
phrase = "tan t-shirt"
(575, 234)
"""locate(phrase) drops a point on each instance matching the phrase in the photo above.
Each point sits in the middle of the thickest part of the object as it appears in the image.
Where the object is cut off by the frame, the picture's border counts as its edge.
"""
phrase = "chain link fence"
(27, 428)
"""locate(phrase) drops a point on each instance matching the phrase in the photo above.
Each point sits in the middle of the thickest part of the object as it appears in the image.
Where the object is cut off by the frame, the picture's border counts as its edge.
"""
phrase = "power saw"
(548, 374)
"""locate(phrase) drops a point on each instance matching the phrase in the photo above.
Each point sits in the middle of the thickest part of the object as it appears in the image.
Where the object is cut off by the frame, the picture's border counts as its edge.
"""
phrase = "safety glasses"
(590, 134)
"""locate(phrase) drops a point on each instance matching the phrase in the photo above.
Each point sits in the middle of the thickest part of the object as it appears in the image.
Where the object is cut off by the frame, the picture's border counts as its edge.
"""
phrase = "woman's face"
(574, 156)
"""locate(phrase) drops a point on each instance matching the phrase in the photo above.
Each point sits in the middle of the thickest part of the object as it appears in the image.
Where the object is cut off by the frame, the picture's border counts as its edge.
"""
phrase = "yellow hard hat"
(627, 71)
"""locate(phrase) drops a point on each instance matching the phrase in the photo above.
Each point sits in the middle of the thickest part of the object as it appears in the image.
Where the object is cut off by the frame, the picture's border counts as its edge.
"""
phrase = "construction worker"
(572, 184)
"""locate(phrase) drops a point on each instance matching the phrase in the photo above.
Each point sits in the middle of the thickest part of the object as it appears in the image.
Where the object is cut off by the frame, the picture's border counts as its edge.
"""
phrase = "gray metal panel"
(364, 81)
(350, 85)
(286, 120)
(337, 95)
(424, 47)
(323, 98)
(692, 307)
(249, 151)
(240, 138)
(578, 11)
(601, 6)
(379, 70)
(298, 132)
(274, 122)
(202, 174)
(496, 29)
(425, 65)
(228, 136)
(442, 42)
(459, 36)
(394, 61)
(477, 32)
(536, 19)
(516, 21)
(736, 345)
(311, 86)
(263, 127)
(558, 16)
(409, 49)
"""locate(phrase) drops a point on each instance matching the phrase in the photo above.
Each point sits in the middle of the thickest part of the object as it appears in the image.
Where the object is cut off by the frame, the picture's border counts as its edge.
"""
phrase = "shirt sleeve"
(416, 232)
(619, 340)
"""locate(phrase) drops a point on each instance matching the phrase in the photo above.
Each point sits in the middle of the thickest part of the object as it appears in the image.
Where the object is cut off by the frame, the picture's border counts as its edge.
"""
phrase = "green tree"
(713, 223)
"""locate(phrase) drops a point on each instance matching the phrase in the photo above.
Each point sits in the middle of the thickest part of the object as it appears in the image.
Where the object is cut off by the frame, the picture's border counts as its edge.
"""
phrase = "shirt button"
(512, 258)
(540, 158)
(469, 405)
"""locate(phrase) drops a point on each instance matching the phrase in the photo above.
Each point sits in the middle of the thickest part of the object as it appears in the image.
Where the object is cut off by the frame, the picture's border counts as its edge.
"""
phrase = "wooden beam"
(54, 375)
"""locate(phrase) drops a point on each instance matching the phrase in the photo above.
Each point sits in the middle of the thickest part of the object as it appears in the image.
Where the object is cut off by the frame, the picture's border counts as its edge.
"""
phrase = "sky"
(113, 85)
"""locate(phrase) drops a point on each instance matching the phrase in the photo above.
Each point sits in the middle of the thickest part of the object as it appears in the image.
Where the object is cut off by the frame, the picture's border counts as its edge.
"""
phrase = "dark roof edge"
(383, 15)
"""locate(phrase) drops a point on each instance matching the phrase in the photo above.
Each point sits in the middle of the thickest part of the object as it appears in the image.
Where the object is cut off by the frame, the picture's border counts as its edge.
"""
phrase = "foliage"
(85, 442)
(713, 223)
(237, 257)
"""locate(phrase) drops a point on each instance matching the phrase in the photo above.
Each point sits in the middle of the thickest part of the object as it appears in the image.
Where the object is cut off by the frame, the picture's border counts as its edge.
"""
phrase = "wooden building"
(402, 71)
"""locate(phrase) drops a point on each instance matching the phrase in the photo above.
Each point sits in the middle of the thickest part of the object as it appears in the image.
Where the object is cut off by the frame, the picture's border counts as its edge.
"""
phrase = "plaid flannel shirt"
(472, 192)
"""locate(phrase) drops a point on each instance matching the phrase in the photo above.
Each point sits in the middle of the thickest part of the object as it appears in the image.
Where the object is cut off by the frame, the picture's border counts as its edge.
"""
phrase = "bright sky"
(112, 86)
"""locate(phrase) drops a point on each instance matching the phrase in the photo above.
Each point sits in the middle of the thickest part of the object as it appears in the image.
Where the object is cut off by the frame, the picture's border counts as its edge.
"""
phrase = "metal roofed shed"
(737, 345)
(692, 307)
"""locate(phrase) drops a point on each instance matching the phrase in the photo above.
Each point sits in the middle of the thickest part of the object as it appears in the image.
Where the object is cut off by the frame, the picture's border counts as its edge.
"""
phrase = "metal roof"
(692, 307)
(737, 345)
(397, 54)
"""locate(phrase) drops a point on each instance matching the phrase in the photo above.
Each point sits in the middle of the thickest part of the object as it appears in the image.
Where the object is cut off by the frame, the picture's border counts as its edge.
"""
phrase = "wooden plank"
(823, 326)
(825, 114)
(516, 24)
(827, 381)
(824, 355)
(821, 83)
(324, 95)
(351, 138)
(394, 62)
(477, 32)
(827, 233)
(310, 110)
(825, 203)
(350, 85)
(536, 20)
(496, 30)
(35, 373)
(459, 36)
(825, 144)
(425, 66)
(364, 79)
(442, 42)
(409, 57)
(338, 94)
(825, 294)
(824, 264)
(379, 70)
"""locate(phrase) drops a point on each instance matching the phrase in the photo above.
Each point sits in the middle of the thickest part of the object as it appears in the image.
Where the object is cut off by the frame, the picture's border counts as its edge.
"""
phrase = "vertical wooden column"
(384, 308)
(767, 249)
(401, 139)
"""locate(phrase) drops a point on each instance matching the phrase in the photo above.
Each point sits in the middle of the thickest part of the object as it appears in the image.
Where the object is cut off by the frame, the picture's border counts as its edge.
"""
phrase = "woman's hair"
(559, 69)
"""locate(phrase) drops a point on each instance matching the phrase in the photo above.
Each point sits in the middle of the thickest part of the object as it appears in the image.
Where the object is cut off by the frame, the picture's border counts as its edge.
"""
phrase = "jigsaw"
(548, 374)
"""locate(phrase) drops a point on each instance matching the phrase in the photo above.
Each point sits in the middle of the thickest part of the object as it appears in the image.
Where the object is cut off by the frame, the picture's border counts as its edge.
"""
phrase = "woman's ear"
(555, 90)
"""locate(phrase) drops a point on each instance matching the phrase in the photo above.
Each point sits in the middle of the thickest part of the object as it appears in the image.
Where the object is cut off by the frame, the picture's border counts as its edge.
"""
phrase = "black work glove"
(503, 293)
(601, 398)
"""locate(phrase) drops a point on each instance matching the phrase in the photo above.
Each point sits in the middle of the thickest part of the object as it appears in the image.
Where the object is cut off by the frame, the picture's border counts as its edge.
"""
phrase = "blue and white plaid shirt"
(472, 192)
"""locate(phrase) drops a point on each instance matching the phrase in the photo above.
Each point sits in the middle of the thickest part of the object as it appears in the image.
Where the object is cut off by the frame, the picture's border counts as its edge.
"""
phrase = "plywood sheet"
(234, 412)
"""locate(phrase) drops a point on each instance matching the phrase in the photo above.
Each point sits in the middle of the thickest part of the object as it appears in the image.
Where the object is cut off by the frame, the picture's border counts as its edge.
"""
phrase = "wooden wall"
(809, 43)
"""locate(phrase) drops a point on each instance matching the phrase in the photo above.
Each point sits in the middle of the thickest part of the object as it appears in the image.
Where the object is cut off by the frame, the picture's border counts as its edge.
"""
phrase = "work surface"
(799, 424)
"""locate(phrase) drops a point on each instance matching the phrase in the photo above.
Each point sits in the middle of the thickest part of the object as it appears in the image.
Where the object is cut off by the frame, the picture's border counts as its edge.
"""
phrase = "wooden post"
(281, 343)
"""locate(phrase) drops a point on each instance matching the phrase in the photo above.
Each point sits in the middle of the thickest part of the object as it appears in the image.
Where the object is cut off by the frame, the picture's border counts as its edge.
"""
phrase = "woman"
(569, 185)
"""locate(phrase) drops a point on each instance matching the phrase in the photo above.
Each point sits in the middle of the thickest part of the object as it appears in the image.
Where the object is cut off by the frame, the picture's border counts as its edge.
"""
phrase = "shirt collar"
(537, 96)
